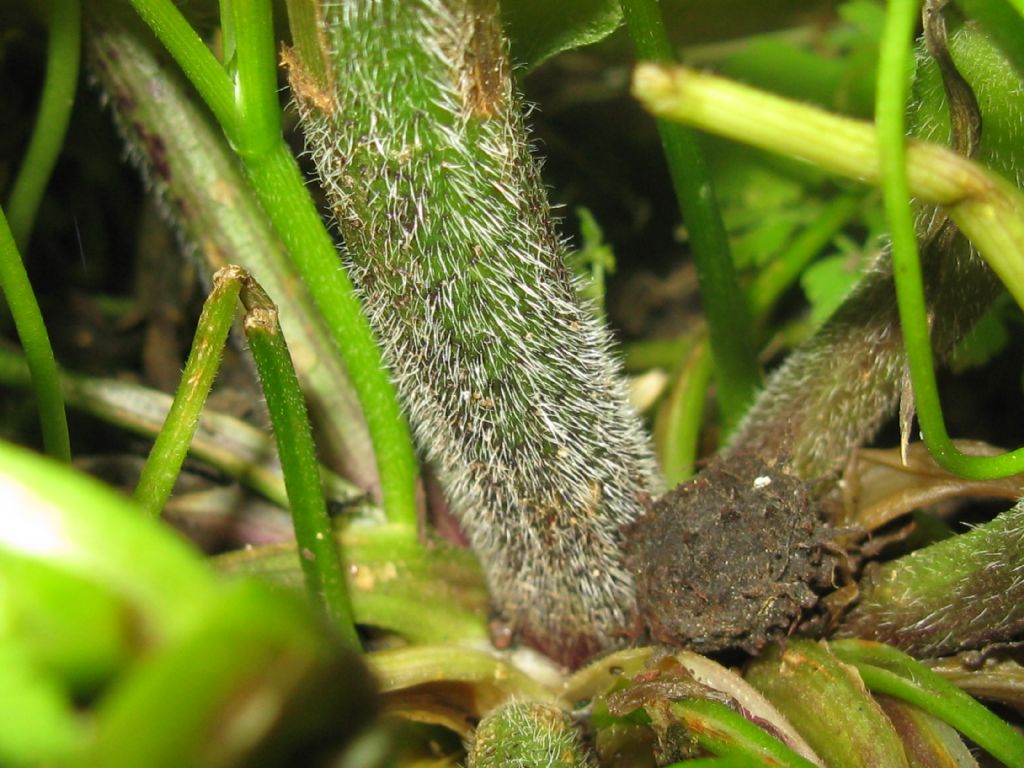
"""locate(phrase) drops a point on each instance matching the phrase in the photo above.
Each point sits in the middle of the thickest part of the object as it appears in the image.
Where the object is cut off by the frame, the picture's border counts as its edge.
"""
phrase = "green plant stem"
(318, 551)
(253, 64)
(62, 56)
(171, 446)
(280, 188)
(887, 670)
(959, 593)
(729, 325)
(42, 365)
(894, 59)
(195, 59)
(1003, 23)
(193, 172)
(726, 733)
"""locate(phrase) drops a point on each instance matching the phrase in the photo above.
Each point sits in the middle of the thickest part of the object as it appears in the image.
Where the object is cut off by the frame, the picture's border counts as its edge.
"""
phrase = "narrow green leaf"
(318, 550)
(171, 446)
(539, 29)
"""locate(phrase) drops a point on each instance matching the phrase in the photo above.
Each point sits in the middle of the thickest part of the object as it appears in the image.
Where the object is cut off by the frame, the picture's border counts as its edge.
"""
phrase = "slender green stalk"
(887, 670)
(34, 340)
(305, 24)
(62, 56)
(318, 551)
(726, 733)
(834, 143)
(729, 326)
(195, 59)
(278, 183)
(281, 188)
(171, 446)
(895, 55)
(254, 70)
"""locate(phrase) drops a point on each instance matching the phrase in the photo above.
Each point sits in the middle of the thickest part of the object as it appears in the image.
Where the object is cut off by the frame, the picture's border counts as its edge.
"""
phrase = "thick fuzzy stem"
(963, 592)
(504, 371)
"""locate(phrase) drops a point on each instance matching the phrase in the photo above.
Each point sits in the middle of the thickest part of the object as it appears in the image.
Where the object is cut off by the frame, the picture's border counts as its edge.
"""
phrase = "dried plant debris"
(879, 485)
(995, 673)
(730, 559)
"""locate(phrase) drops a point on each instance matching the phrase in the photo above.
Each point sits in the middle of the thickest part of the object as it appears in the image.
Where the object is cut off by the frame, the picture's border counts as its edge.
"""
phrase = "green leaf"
(826, 283)
(539, 29)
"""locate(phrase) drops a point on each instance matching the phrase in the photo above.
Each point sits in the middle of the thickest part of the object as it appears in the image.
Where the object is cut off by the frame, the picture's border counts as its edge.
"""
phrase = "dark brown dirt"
(728, 560)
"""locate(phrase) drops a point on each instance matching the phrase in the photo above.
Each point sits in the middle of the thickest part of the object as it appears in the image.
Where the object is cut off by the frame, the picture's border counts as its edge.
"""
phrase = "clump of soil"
(728, 559)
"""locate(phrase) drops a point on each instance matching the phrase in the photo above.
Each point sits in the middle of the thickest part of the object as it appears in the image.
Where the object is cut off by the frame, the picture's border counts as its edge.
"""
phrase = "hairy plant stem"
(504, 370)
(960, 593)
(1003, 22)
(529, 734)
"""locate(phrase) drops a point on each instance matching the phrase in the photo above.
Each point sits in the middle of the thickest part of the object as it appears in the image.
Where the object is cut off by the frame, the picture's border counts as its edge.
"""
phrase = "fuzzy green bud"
(527, 734)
